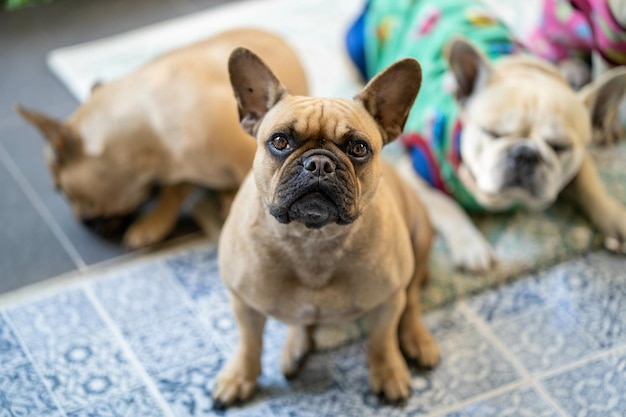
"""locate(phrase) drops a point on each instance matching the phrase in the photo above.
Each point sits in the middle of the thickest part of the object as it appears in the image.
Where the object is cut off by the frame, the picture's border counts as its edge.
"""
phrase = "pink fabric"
(577, 27)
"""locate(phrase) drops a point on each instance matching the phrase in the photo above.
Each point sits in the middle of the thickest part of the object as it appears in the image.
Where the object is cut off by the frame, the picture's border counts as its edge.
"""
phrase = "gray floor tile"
(518, 402)
(29, 251)
(26, 148)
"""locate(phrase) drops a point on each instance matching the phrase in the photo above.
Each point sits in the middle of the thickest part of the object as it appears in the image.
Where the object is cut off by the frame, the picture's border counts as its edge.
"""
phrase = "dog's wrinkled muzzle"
(317, 192)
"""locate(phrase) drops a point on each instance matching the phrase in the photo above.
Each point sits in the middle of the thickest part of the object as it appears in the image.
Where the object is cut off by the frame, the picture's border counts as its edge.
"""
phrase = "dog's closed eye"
(493, 133)
(560, 147)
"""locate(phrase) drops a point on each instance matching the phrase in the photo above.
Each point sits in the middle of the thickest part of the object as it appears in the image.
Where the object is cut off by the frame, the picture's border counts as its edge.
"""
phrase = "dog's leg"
(157, 224)
(237, 380)
(469, 249)
(299, 344)
(606, 214)
(389, 374)
(416, 342)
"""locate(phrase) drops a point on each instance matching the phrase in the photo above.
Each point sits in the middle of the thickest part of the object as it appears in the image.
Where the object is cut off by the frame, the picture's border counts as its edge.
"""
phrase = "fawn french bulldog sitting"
(322, 230)
(494, 128)
(172, 123)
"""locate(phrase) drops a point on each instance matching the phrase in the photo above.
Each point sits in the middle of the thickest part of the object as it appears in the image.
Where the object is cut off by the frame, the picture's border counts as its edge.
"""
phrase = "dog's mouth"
(314, 209)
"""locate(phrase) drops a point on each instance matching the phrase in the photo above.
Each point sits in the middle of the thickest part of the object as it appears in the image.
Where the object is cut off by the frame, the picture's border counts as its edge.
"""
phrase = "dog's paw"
(146, 231)
(233, 385)
(613, 229)
(472, 253)
(417, 344)
(297, 348)
(390, 377)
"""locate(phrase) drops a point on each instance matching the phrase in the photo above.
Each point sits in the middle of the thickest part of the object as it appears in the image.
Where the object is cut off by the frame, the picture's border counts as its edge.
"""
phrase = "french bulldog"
(172, 123)
(524, 143)
(322, 230)
(495, 128)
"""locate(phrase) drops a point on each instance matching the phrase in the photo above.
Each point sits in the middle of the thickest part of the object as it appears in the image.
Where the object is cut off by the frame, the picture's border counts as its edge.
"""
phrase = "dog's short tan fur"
(521, 103)
(173, 122)
(283, 258)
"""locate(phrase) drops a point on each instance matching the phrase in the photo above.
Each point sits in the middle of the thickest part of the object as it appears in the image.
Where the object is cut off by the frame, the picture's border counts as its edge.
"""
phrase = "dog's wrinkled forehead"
(321, 119)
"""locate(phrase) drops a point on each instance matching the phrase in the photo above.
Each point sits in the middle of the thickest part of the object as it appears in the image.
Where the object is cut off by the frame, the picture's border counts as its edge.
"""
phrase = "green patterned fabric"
(421, 30)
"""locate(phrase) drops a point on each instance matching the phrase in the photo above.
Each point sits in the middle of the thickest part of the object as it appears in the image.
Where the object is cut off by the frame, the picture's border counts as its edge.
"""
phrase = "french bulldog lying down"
(322, 230)
(173, 123)
(494, 129)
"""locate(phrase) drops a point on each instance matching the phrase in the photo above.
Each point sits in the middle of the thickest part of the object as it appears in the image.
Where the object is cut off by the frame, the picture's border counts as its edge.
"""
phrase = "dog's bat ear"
(389, 96)
(256, 88)
(469, 66)
(65, 143)
(602, 98)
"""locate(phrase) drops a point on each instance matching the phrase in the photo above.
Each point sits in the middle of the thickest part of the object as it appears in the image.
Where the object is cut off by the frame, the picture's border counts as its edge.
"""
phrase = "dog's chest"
(309, 296)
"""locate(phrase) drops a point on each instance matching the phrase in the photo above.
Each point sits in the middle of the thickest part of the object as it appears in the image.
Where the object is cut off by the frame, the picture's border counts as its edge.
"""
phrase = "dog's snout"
(319, 165)
(525, 155)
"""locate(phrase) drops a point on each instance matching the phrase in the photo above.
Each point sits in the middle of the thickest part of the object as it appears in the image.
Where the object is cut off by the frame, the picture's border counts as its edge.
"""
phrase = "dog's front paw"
(146, 231)
(472, 253)
(234, 384)
(417, 343)
(390, 377)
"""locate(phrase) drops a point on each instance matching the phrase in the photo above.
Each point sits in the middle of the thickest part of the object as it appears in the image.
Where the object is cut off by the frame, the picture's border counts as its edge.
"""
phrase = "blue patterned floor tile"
(595, 389)
(545, 339)
(136, 403)
(65, 315)
(352, 375)
(23, 394)
(470, 365)
(197, 271)
(188, 389)
(11, 353)
(520, 402)
(596, 296)
(163, 344)
(519, 297)
(215, 311)
(447, 320)
(139, 292)
(85, 369)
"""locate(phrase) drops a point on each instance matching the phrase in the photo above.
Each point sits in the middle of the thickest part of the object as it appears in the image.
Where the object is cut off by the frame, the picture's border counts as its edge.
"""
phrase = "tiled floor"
(39, 238)
(148, 340)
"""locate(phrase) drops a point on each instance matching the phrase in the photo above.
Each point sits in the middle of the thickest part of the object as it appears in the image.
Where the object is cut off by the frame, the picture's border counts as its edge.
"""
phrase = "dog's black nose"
(319, 165)
(524, 155)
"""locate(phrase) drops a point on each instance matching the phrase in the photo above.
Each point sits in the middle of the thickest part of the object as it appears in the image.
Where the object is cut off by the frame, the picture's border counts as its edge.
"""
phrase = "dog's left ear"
(469, 67)
(602, 98)
(256, 88)
(389, 96)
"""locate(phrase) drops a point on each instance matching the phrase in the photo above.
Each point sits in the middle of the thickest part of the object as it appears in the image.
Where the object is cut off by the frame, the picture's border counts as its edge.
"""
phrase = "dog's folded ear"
(64, 141)
(389, 96)
(256, 88)
(469, 66)
(602, 98)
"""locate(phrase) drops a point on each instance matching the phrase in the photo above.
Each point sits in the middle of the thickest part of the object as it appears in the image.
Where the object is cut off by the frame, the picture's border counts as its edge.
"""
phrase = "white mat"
(315, 28)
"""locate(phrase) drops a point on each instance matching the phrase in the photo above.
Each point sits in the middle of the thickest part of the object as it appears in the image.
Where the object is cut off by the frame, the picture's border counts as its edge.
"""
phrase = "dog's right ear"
(469, 66)
(62, 138)
(256, 88)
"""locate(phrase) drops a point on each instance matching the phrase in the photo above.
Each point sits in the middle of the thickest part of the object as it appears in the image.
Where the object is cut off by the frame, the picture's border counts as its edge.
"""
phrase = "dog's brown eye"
(280, 143)
(358, 149)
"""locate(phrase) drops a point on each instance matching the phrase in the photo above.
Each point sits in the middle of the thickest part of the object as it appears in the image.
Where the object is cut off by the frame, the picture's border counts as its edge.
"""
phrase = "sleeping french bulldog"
(322, 231)
(494, 129)
(172, 123)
